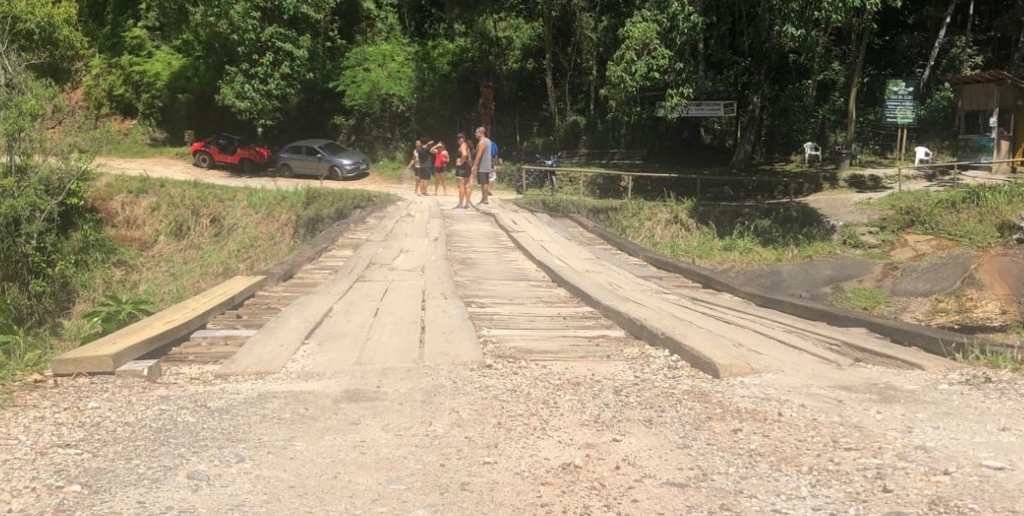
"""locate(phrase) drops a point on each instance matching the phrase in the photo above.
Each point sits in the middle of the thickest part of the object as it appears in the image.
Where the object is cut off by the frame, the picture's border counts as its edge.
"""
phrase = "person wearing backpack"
(493, 176)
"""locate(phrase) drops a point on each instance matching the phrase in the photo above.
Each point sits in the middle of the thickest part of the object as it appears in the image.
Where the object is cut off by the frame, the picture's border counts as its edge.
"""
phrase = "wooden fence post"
(899, 179)
(629, 187)
(522, 175)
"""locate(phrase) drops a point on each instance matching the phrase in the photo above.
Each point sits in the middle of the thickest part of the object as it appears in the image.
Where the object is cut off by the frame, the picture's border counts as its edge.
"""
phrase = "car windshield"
(332, 149)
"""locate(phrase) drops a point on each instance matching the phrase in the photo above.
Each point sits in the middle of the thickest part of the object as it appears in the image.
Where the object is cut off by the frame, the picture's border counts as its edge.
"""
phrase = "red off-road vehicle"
(225, 149)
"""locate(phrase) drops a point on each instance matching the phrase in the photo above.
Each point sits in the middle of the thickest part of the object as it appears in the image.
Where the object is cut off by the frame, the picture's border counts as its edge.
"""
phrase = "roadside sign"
(901, 105)
(697, 109)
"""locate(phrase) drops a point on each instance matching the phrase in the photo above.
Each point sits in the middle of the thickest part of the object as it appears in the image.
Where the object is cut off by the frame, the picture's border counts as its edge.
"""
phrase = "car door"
(292, 156)
(315, 158)
(305, 163)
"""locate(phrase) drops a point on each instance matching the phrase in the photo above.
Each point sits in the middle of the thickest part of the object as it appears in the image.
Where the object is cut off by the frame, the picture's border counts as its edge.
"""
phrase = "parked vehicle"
(322, 159)
(537, 176)
(226, 149)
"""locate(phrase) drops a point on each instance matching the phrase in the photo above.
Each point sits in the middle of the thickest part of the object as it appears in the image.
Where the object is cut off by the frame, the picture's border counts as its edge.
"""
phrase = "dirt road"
(554, 409)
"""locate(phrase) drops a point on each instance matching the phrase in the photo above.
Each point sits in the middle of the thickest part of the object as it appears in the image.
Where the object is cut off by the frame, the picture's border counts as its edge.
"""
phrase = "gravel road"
(639, 433)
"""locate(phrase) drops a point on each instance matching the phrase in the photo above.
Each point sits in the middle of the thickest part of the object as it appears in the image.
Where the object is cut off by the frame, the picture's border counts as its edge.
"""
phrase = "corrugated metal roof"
(985, 77)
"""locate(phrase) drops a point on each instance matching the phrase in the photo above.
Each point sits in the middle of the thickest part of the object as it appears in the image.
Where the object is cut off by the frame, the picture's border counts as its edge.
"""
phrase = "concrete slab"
(940, 276)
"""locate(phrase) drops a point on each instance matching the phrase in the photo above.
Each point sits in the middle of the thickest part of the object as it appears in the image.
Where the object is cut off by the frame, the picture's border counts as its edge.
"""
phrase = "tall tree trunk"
(593, 88)
(487, 107)
(938, 44)
(700, 64)
(855, 77)
(549, 64)
(743, 156)
(970, 19)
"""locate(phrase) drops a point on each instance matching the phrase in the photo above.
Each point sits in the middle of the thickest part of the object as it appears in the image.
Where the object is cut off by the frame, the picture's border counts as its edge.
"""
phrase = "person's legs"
(444, 182)
(462, 191)
(481, 179)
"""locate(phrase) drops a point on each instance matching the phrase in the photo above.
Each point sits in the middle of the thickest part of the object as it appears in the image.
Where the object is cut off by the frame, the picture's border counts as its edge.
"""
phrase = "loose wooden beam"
(105, 355)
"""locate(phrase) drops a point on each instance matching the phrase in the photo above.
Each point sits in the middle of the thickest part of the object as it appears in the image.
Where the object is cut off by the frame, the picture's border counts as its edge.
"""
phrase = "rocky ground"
(644, 434)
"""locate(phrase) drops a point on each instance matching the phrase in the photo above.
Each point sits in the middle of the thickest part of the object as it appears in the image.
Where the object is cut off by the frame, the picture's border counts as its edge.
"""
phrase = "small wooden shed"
(990, 117)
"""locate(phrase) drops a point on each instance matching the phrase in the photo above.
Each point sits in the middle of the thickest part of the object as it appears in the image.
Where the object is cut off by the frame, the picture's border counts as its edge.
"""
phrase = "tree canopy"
(565, 73)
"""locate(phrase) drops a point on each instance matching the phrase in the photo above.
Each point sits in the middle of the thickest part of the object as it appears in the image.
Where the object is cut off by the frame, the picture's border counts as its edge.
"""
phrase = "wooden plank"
(341, 337)
(449, 335)
(394, 336)
(270, 349)
(105, 355)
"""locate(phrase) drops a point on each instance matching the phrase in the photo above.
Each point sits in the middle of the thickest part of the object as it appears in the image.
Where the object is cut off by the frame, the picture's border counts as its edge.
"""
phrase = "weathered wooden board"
(108, 353)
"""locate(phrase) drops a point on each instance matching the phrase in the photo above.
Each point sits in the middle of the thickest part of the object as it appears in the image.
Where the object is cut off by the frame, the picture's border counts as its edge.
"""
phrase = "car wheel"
(203, 159)
(334, 173)
(248, 166)
(284, 170)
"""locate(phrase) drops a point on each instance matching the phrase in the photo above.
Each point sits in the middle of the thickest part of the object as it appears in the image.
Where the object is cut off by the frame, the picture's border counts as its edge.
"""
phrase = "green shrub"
(977, 215)
(707, 233)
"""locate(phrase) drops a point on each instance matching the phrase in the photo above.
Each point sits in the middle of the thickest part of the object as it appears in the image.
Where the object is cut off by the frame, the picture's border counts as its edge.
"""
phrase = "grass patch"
(862, 299)
(1005, 359)
(707, 234)
(978, 216)
(175, 239)
(391, 169)
(133, 141)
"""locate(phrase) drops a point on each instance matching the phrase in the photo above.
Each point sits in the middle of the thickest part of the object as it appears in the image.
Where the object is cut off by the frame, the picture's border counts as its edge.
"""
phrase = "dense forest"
(556, 73)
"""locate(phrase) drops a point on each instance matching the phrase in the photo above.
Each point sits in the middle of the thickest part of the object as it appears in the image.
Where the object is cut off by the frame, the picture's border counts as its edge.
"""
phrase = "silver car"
(322, 159)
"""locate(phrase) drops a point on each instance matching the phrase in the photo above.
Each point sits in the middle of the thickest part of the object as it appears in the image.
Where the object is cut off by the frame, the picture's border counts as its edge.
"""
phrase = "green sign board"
(901, 104)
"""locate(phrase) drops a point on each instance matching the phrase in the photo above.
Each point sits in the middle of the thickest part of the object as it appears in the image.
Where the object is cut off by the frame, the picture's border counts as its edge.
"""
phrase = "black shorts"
(483, 178)
(463, 171)
(424, 172)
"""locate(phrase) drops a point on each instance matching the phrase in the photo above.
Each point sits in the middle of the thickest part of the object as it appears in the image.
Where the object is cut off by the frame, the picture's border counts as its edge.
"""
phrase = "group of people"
(432, 158)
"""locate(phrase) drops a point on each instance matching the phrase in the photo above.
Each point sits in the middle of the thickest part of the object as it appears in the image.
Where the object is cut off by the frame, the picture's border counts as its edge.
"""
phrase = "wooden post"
(899, 138)
(629, 187)
(899, 179)
(522, 173)
(956, 172)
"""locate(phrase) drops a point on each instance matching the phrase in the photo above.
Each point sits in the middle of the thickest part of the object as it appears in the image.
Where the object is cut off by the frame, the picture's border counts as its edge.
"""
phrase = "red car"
(225, 149)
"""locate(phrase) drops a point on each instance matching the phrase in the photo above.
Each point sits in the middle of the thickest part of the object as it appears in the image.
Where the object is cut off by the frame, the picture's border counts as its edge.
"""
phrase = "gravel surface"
(643, 434)
(640, 434)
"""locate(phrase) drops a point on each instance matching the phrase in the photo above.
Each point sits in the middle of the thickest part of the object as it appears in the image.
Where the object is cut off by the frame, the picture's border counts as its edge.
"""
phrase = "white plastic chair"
(922, 154)
(811, 149)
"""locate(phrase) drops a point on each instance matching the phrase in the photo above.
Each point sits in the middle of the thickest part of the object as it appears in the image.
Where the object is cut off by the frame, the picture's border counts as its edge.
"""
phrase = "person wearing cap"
(463, 172)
